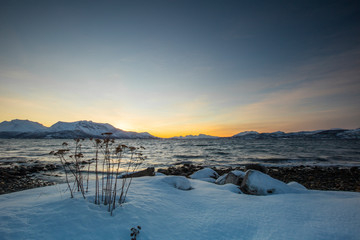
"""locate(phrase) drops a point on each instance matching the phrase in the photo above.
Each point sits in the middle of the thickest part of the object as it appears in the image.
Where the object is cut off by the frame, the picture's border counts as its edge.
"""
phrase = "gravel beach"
(17, 178)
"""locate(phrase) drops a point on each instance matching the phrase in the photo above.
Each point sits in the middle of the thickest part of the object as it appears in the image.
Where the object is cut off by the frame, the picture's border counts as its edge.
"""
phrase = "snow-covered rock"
(21, 126)
(178, 182)
(239, 173)
(258, 183)
(221, 180)
(234, 177)
(205, 174)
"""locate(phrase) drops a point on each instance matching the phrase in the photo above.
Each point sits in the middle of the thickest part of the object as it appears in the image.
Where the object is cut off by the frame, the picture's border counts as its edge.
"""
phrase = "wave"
(189, 156)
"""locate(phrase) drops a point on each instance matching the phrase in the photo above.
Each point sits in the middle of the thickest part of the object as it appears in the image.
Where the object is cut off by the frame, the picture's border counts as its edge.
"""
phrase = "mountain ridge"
(86, 129)
(78, 129)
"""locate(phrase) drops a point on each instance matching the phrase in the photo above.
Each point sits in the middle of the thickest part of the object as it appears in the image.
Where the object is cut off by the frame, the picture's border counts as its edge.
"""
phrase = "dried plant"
(135, 232)
(109, 160)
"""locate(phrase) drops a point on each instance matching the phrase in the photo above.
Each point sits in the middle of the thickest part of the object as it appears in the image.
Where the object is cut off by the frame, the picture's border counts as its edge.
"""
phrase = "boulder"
(205, 174)
(258, 183)
(221, 180)
(235, 177)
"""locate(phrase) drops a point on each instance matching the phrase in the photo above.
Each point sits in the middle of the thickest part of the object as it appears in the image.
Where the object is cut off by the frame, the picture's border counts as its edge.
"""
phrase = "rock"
(221, 180)
(147, 172)
(258, 183)
(206, 174)
(257, 167)
(235, 177)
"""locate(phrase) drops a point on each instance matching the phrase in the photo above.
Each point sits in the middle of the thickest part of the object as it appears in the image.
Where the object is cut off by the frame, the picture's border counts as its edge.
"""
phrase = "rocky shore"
(17, 178)
(20, 177)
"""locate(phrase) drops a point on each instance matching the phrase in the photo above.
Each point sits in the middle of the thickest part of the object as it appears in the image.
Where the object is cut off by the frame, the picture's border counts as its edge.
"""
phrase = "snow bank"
(208, 211)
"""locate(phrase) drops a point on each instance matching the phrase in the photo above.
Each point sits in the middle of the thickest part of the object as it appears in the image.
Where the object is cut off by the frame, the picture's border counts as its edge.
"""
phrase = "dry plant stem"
(87, 180)
(97, 198)
(107, 184)
(63, 162)
(124, 180)
(78, 175)
(102, 179)
(119, 151)
(140, 159)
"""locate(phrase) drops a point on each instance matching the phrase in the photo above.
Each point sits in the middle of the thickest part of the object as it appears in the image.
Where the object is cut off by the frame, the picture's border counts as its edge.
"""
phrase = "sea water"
(223, 152)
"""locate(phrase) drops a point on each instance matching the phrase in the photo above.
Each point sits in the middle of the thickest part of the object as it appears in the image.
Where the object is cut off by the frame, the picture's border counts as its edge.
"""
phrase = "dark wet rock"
(320, 178)
(257, 167)
(21, 177)
(147, 172)
(234, 179)
(185, 170)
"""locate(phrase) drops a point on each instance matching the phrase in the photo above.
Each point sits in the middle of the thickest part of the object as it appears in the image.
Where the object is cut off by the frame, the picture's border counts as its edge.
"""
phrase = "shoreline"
(327, 178)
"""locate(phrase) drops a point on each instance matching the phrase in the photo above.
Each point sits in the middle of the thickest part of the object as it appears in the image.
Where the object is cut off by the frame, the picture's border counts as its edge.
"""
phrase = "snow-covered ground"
(207, 211)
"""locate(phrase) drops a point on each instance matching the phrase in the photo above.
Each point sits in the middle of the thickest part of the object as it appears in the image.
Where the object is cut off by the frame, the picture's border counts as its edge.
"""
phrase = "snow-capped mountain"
(200, 136)
(79, 129)
(350, 134)
(96, 129)
(21, 126)
(246, 134)
(318, 134)
(87, 127)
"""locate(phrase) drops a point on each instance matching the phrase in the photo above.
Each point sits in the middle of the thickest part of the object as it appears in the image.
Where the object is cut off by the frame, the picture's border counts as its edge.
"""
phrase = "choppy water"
(215, 152)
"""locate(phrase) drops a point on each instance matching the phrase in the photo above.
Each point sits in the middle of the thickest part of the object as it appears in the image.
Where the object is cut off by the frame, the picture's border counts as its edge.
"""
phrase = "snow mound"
(178, 182)
(296, 185)
(205, 174)
(258, 183)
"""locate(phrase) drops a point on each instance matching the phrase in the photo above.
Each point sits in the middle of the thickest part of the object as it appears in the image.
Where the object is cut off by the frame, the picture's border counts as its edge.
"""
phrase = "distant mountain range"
(322, 134)
(200, 136)
(86, 129)
(80, 129)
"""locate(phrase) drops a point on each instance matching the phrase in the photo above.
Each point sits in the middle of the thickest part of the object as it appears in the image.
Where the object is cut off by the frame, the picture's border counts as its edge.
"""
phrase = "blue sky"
(182, 67)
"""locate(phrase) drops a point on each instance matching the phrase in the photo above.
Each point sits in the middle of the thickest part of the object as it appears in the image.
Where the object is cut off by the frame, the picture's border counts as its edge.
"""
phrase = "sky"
(182, 67)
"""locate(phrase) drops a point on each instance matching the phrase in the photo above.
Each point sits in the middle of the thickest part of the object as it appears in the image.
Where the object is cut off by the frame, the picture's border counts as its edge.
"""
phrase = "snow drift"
(208, 211)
